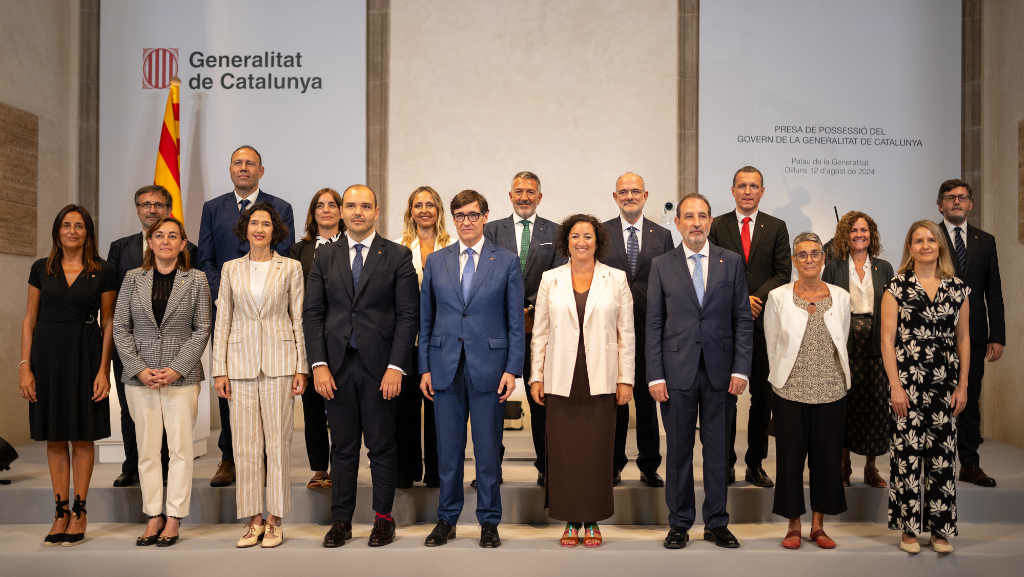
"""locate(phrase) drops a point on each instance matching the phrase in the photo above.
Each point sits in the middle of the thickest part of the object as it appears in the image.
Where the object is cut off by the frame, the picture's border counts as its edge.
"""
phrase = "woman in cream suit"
(161, 327)
(806, 323)
(259, 362)
(423, 233)
(581, 375)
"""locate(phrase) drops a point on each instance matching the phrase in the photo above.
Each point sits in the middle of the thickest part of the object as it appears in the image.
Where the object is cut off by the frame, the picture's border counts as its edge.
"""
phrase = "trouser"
(968, 423)
(761, 398)
(262, 411)
(813, 433)
(648, 435)
(130, 465)
(358, 411)
(452, 407)
(680, 414)
(167, 413)
(407, 428)
(538, 415)
(318, 446)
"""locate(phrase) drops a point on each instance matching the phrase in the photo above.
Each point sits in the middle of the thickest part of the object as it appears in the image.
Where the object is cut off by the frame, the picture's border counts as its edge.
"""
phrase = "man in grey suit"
(699, 343)
(533, 239)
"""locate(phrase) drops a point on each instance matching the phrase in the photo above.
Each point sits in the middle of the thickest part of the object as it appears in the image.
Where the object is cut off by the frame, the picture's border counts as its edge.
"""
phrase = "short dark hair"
(366, 186)
(566, 227)
(747, 168)
(689, 195)
(155, 188)
(280, 228)
(948, 185)
(247, 147)
(469, 197)
(527, 175)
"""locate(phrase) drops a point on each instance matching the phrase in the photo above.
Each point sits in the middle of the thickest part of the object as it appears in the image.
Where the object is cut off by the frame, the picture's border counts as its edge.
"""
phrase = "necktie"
(357, 265)
(745, 238)
(524, 245)
(467, 275)
(632, 250)
(698, 277)
(961, 251)
(243, 204)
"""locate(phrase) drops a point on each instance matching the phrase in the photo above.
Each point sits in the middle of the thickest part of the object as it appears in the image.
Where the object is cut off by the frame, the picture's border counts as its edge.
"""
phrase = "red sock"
(386, 517)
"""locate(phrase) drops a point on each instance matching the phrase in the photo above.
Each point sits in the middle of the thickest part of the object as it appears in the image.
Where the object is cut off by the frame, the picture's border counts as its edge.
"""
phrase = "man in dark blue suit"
(218, 244)
(471, 351)
(699, 344)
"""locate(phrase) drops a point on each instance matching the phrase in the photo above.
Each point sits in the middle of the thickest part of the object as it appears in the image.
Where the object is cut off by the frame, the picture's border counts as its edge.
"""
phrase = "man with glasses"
(974, 256)
(152, 203)
(533, 239)
(634, 242)
(219, 244)
(470, 353)
(762, 241)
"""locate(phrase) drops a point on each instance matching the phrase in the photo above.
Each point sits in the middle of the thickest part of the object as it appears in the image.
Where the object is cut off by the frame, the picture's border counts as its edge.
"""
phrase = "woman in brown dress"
(581, 375)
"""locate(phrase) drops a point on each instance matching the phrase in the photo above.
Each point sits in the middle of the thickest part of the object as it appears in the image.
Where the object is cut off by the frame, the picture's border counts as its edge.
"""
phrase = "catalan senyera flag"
(168, 155)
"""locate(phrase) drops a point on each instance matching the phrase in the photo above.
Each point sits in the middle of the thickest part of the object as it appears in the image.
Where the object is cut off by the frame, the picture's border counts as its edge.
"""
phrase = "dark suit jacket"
(988, 324)
(656, 240)
(541, 257)
(126, 253)
(837, 272)
(488, 325)
(680, 330)
(217, 241)
(770, 263)
(383, 310)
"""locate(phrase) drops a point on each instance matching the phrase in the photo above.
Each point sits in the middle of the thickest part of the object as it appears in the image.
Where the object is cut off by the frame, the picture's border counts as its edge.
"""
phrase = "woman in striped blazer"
(259, 362)
(161, 327)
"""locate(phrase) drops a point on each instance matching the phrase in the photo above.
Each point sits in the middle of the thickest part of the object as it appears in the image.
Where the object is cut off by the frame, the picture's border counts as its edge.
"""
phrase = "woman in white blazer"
(806, 323)
(260, 366)
(161, 327)
(583, 355)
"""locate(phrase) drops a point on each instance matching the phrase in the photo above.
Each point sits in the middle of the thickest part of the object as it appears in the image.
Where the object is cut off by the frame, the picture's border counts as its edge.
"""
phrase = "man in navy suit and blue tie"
(218, 244)
(471, 351)
(699, 343)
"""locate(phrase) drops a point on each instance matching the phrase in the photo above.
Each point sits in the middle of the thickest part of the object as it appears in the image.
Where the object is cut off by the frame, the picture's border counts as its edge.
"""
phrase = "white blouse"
(258, 278)
(862, 292)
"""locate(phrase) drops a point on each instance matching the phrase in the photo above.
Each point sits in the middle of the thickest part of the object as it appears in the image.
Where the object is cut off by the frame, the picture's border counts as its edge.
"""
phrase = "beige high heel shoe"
(253, 534)
(273, 537)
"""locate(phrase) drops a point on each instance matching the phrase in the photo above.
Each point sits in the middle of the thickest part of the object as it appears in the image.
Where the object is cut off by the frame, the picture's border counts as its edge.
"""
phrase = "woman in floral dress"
(926, 352)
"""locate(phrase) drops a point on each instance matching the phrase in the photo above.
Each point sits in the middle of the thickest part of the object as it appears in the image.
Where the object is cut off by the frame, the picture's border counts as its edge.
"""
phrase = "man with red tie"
(763, 242)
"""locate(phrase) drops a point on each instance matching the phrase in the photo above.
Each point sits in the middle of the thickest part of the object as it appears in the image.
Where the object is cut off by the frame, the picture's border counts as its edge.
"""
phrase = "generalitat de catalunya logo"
(159, 66)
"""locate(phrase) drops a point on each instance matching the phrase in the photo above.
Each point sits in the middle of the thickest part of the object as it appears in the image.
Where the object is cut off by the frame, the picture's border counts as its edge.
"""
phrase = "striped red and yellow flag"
(168, 163)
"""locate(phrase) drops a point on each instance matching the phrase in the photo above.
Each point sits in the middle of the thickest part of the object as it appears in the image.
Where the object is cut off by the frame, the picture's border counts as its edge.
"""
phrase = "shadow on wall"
(196, 194)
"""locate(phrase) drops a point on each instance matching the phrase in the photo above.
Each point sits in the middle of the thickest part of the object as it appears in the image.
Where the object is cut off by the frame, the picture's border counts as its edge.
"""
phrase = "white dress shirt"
(862, 292)
(251, 198)
(739, 222)
(476, 255)
(951, 229)
(519, 229)
(639, 225)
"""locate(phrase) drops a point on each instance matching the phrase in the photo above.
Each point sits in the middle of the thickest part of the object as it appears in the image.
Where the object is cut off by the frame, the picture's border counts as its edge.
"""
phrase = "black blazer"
(126, 253)
(770, 263)
(988, 324)
(656, 241)
(383, 310)
(837, 272)
(542, 255)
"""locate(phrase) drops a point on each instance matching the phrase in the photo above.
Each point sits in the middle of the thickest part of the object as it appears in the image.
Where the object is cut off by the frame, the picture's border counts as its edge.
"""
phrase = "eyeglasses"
(472, 216)
(956, 197)
(629, 192)
(813, 255)
(152, 205)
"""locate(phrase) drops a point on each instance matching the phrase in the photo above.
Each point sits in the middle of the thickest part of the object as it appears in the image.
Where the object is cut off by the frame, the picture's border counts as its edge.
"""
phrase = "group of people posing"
(851, 356)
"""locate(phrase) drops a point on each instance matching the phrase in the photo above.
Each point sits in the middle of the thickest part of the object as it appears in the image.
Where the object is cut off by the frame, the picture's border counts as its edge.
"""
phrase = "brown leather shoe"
(224, 476)
(873, 478)
(977, 476)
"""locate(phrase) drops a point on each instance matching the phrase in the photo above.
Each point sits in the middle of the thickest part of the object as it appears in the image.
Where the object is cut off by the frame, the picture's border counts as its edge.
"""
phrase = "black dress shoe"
(383, 533)
(489, 536)
(167, 541)
(338, 534)
(442, 533)
(977, 476)
(652, 480)
(758, 478)
(722, 537)
(540, 479)
(617, 479)
(225, 474)
(677, 538)
(731, 477)
(126, 480)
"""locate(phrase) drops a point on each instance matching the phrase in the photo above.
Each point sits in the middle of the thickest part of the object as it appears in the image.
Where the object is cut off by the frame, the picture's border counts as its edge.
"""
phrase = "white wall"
(574, 90)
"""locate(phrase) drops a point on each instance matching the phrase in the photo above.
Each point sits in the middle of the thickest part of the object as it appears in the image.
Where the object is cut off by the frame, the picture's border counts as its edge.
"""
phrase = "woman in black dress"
(926, 348)
(854, 265)
(65, 361)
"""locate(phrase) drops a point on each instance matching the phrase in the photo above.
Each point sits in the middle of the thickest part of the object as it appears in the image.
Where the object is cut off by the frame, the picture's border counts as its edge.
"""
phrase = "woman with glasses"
(853, 264)
(806, 323)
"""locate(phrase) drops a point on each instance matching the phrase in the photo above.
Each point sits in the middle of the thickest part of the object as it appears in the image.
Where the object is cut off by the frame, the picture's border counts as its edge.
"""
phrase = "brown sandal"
(320, 480)
(792, 540)
(873, 478)
(822, 540)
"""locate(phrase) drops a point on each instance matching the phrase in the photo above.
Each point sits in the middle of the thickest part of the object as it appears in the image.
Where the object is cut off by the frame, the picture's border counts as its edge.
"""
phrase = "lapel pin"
(491, 258)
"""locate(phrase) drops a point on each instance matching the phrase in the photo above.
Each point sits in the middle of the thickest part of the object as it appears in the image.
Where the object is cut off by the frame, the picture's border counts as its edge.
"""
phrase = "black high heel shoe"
(78, 509)
(152, 539)
(169, 541)
(62, 511)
